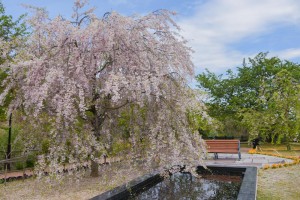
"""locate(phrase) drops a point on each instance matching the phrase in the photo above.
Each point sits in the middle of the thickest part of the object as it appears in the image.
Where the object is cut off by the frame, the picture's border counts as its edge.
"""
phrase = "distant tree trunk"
(288, 146)
(8, 153)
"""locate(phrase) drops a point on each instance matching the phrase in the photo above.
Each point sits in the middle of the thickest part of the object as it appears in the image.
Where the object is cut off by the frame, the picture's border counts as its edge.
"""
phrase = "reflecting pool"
(185, 186)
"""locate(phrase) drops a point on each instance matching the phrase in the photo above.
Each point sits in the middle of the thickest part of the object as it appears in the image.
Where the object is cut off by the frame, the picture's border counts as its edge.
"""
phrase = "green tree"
(12, 35)
(279, 117)
(242, 90)
(10, 31)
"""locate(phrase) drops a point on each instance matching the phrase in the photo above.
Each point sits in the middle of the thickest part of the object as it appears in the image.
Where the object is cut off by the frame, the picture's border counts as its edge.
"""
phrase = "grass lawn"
(84, 188)
(279, 183)
(281, 149)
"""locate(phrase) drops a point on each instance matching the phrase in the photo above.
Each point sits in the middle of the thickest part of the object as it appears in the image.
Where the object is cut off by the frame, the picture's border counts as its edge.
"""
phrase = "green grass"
(269, 147)
(281, 147)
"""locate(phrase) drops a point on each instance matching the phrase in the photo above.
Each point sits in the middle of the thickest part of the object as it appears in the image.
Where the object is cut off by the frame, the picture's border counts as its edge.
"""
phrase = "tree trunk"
(94, 169)
(8, 153)
(96, 128)
(288, 146)
(97, 121)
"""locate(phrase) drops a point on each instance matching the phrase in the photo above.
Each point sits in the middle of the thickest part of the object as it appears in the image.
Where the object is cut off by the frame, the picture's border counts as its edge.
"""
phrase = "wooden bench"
(223, 146)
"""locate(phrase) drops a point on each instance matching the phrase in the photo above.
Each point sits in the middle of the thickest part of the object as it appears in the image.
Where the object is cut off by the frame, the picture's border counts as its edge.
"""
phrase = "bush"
(20, 165)
(30, 163)
(267, 166)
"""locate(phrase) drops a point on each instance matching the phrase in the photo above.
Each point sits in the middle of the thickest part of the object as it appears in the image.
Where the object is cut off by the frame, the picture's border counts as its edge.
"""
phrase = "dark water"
(184, 186)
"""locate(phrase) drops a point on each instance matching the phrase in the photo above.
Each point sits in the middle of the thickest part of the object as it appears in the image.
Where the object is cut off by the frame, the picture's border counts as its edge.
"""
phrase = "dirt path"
(16, 174)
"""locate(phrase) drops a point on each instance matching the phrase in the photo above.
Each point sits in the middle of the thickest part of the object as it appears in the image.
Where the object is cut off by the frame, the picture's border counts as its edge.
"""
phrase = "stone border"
(137, 185)
(247, 191)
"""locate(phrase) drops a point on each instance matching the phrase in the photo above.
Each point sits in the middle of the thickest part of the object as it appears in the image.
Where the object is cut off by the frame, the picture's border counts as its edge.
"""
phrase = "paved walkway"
(224, 160)
(246, 160)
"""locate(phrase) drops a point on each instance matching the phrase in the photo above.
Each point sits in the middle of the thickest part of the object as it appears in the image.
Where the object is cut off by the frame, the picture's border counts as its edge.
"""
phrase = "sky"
(221, 32)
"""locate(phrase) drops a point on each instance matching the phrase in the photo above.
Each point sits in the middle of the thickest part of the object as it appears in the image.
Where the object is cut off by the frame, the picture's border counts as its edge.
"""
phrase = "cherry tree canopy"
(97, 70)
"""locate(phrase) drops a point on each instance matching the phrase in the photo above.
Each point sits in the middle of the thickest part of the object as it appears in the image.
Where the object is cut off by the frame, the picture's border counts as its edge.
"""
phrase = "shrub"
(274, 166)
(20, 165)
(30, 163)
(267, 166)
(252, 151)
(295, 162)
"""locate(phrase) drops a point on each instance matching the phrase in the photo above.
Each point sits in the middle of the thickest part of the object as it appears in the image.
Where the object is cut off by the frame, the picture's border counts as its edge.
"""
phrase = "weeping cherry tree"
(90, 71)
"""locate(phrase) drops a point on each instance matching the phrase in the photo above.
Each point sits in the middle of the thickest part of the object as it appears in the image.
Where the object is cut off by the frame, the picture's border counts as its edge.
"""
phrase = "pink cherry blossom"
(109, 66)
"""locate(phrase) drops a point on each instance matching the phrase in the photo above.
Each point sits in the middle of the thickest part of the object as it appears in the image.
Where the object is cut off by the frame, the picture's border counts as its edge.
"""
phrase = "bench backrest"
(223, 146)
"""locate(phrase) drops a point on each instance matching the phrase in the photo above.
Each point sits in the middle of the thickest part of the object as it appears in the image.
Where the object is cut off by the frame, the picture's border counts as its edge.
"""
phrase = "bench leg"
(240, 156)
(216, 156)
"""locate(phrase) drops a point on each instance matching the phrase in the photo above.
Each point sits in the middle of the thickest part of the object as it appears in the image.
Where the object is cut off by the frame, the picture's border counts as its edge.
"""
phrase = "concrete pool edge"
(248, 190)
(135, 185)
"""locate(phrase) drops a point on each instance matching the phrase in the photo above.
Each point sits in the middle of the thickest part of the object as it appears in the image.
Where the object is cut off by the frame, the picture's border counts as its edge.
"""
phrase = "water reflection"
(184, 186)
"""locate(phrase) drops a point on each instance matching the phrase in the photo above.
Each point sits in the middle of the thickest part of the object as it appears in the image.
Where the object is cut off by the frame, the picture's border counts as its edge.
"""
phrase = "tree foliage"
(262, 94)
(102, 82)
(12, 34)
(279, 116)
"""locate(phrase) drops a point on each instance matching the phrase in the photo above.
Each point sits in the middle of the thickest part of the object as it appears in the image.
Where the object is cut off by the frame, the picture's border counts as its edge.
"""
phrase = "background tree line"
(260, 99)
(12, 34)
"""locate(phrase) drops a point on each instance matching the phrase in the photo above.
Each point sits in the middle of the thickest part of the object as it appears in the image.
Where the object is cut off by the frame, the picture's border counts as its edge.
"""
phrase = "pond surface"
(185, 186)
